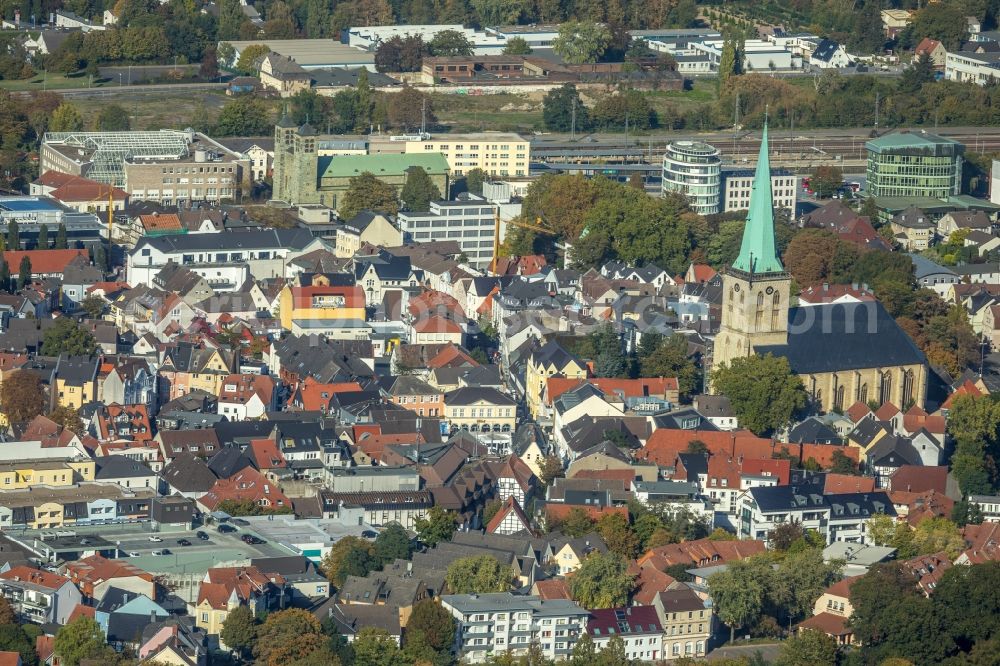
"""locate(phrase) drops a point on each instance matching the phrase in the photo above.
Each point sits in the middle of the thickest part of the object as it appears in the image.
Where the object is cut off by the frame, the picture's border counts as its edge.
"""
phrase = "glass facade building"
(693, 168)
(914, 165)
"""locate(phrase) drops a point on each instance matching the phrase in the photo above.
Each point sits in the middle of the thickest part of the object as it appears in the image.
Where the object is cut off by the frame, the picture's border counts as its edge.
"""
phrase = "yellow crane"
(539, 226)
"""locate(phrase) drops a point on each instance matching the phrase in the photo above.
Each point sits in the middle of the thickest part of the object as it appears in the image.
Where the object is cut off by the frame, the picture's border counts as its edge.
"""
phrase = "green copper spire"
(757, 252)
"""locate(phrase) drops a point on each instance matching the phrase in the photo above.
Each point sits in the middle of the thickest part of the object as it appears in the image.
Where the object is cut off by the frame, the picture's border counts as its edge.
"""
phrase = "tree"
(730, 62)
(4, 274)
(22, 397)
(364, 102)
(738, 592)
(577, 523)
(7, 615)
(332, 561)
(249, 60)
(24, 272)
(618, 535)
(782, 536)
(840, 463)
(491, 509)
(239, 630)
(392, 544)
(419, 190)
(868, 35)
(552, 469)
(670, 359)
(66, 118)
(478, 575)
(450, 43)
(244, 116)
(209, 68)
(231, 17)
(941, 21)
(68, 418)
(113, 118)
(626, 108)
(602, 581)
(563, 111)
(20, 639)
(61, 243)
(762, 390)
(581, 42)
(808, 648)
(438, 526)
(374, 647)
(66, 336)
(474, 179)
(13, 236)
(358, 562)
(93, 305)
(366, 192)
(499, 12)
(435, 624)
(43, 237)
(286, 636)
(826, 180)
(81, 639)
(410, 109)
(517, 46)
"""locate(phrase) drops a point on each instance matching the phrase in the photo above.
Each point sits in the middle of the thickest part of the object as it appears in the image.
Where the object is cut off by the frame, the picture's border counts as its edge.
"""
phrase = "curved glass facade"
(693, 168)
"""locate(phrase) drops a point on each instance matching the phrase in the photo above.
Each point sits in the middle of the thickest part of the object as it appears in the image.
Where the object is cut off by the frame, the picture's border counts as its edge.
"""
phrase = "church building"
(844, 352)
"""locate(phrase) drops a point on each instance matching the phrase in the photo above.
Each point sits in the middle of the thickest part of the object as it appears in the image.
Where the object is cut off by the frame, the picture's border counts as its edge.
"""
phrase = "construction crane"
(539, 226)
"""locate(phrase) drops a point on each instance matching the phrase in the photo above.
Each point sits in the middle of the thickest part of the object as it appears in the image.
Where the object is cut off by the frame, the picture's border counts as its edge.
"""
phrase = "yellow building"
(75, 381)
(188, 368)
(226, 588)
(496, 153)
(548, 360)
(320, 302)
(480, 409)
(59, 473)
(49, 506)
(843, 352)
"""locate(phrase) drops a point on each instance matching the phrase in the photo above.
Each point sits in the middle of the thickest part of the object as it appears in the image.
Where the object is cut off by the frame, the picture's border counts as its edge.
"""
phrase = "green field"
(52, 81)
(504, 112)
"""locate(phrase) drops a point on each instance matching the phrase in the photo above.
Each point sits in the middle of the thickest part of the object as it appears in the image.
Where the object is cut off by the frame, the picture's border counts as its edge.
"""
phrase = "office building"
(502, 622)
(471, 221)
(693, 169)
(737, 186)
(496, 153)
(914, 164)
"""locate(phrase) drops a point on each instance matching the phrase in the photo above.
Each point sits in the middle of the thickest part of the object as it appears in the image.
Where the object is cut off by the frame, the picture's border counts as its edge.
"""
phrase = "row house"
(46, 507)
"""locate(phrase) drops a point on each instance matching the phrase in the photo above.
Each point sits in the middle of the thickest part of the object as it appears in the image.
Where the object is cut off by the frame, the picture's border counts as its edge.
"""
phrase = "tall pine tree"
(43, 237)
(61, 242)
(13, 236)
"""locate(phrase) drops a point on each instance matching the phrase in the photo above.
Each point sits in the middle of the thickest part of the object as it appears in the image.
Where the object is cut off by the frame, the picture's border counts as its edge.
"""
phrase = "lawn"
(503, 112)
(52, 81)
(152, 111)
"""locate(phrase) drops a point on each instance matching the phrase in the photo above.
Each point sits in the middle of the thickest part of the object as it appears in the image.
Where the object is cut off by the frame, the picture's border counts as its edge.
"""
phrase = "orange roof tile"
(613, 388)
(43, 262)
(247, 484)
(858, 411)
(554, 588)
(837, 484)
(436, 324)
(161, 222)
(46, 579)
(509, 506)
(557, 512)
(782, 469)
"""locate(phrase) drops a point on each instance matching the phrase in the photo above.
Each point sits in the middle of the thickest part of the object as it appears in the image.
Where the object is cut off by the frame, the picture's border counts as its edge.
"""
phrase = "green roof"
(930, 204)
(348, 166)
(757, 251)
(920, 141)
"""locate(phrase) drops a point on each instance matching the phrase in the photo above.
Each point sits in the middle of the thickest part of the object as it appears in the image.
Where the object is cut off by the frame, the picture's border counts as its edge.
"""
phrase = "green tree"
(478, 575)
(434, 623)
(738, 593)
(576, 523)
(66, 336)
(941, 21)
(581, 42)
(618, 535)
(366, 192)
(474, 179)
(563, 111)
(364, 102)
(332, 561)
(81, 639)
(286, 636)
(409, 109)
(868, 35)
(499, 12)
(43, 237)
(68, 418)
(419, 190)
(4, 276)
(517, 46)
(730, 62)
(392, 543)
(450, 43)
(61, 242)
(374, 647)
(491, 509)
(20, 639)
(840, 463)
(808, 648)
(231, 18)
(602, 581)
(552, 469)
(438, 526)
(670, 359)
(22, 396)
(762, 390)
(93, 305)
(358, 562)
(826, 180)
(113, 118)
(244, 116)
(7, 614)
(66, 118)
(920, 71)
(239, 630)
(13, 236)
(249, 60)
(24, 272)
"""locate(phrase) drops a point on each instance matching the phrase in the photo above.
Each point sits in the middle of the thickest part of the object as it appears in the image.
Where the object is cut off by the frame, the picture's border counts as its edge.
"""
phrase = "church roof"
(844, 336)
(757, 252)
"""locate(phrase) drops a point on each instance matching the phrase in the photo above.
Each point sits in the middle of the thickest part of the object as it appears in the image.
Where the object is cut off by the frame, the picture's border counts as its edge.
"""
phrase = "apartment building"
(841, 517)
(39, 596)
(637, 626)
(687, 622)
(469, 220)
(496, 153)
(972, 67)
(46, 507)
(737, 185)
(502, 622)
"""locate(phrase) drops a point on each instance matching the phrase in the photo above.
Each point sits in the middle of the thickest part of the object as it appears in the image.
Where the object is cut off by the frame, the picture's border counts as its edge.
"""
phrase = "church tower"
(755, 296)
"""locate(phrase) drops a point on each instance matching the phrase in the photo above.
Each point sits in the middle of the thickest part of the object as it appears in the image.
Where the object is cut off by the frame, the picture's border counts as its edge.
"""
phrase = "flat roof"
(922, 141)
(28, 204)
(347, 166)
(312, 52)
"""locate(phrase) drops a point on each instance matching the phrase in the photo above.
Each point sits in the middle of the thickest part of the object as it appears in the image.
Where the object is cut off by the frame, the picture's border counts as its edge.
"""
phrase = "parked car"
(162, 551)
(134, 553)
(201, 535)
(240, 522)
(226, 529)
(183, 542)
(251, 539)
(155, 539)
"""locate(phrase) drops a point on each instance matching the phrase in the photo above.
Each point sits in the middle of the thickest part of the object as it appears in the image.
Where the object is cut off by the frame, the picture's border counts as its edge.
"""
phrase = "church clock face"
(770, 290)
(736, 287)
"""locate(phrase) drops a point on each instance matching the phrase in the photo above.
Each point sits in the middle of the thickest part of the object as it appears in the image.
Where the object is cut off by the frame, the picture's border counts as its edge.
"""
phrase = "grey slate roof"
(232, 240)
(844, 336)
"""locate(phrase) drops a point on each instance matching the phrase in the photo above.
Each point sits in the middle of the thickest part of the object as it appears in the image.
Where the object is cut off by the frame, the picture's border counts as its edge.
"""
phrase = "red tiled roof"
(782, 469)
(129, 421)
(842, 588)
(557, 512)
(266, 454)
(926, 45)
(703, 272)
(430, 302)
(886, 412)
(247, 484)
(664, 444)
(968, 387)
(80, 611)
(436, 324)
(84, 190)
(241, 388)
(837, 484)
(857, 411)
(161, 222)
(43, 262)
(613, 388)
(624, 621)
(451, 356)
(374, 445)
(827, 623)
(828, 293)
(46, 579)
(918, 478)
(97, 569)
(53, 178)
(554, 588)
(702, 552)
(220, 583)
(650, 582)
(354, 295)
